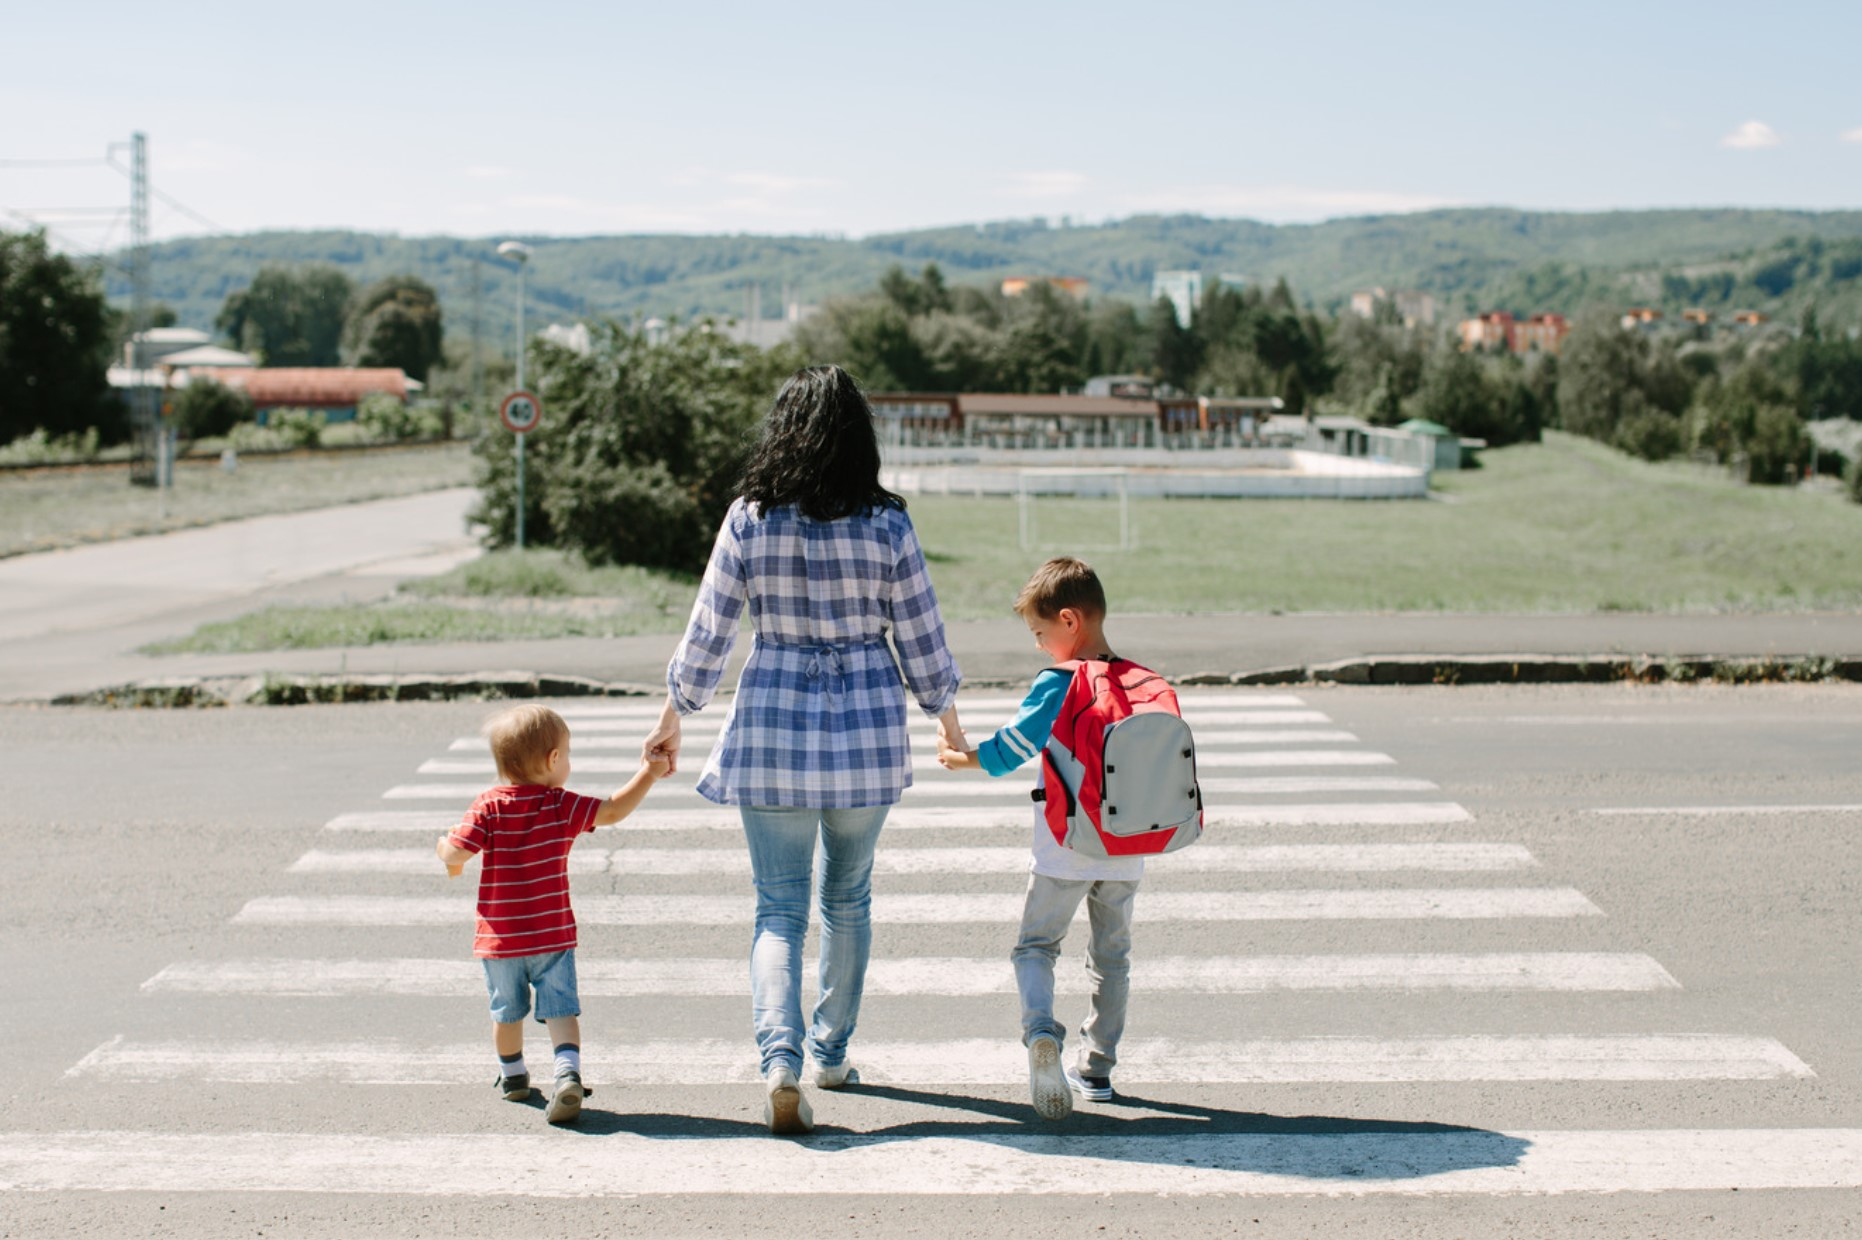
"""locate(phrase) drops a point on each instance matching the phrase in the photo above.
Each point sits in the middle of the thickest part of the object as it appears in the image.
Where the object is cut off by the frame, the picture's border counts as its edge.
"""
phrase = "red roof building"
(329, 388)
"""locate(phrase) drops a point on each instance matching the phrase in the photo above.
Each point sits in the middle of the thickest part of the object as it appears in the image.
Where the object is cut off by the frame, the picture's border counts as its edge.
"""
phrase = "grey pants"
(1047, 913)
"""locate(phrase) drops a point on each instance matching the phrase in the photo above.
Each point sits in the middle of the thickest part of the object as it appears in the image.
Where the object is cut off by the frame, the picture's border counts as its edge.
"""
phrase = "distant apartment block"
(1183, 288)
(1641, 318)
(1414, 309)
(1750, 318)
(1697, 317)
(1077, 287)
(1498, 329)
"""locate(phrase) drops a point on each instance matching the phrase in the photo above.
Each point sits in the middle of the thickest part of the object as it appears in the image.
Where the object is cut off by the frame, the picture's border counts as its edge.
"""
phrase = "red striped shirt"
(523, 835)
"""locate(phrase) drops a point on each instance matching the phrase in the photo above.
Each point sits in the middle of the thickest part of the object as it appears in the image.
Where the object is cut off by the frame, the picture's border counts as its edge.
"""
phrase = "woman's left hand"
(662, 743)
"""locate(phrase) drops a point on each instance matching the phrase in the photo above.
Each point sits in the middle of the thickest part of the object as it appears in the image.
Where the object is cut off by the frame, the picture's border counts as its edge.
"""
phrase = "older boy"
(523, 830)
(1064, 606)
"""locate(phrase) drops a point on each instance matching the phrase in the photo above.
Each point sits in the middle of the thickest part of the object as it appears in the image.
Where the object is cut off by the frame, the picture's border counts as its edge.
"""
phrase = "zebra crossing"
(1290, 847)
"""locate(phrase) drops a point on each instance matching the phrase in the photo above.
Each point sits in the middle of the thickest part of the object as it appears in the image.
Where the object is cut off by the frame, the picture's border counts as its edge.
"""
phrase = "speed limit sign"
(521, 411)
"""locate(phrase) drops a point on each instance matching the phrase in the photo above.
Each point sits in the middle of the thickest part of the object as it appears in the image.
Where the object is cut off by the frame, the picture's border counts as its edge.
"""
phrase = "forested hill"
(1470, 259)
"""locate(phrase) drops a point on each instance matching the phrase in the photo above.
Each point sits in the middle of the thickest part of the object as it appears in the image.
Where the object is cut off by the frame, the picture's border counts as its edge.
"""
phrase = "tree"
(1176, 353)
(640, 454)
(396, 322)
(1602, 376)
(54, 345)
(289, 317)
(204, 408)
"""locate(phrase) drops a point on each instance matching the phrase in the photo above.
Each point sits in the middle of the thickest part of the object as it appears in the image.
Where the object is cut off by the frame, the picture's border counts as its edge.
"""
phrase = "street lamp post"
(519, 252)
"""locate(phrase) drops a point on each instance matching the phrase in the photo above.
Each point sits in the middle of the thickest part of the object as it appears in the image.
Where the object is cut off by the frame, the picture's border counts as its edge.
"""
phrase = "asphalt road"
(1527, 961)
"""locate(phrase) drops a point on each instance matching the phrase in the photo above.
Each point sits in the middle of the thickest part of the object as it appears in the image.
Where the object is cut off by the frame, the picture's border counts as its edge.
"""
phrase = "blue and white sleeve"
(697, 665)
(1025, 734)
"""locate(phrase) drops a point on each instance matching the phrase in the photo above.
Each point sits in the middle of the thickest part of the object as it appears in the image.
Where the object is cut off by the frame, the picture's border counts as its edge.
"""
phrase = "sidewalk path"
(72, 620)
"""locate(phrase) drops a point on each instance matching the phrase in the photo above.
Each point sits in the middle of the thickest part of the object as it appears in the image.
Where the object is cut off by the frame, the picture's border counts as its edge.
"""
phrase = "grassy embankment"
(44, 509)
(1567, 526)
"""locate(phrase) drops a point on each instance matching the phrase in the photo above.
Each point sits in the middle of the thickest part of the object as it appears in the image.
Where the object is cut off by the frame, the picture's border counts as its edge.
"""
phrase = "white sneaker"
(1047, 1082)
(785, 1109)
(841, 1074)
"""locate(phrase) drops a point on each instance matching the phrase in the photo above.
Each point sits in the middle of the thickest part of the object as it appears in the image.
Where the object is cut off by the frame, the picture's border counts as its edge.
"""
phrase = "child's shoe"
(566, 1102)
(1091, 1088)
(516, 1088)
(785, 1109)
(839, 1076)
(1047, 1083)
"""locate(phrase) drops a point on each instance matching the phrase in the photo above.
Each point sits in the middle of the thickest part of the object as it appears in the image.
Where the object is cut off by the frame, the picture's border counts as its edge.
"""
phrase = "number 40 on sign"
(520, 412)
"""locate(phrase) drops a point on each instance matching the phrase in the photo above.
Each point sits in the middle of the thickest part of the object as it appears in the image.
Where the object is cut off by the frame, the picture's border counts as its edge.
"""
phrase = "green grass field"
(43, 509)
(1566, 526)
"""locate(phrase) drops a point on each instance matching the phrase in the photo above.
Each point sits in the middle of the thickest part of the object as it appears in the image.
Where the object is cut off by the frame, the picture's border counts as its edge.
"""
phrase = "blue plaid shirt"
(819, 716)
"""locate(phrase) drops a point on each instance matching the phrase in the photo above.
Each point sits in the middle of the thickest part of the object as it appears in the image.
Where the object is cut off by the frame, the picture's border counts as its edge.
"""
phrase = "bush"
(298, 428)
(1649, 434)
(1776, 445)
(388, 418)
(39, 448)
(205, 408)
(627, 516)
(284, 429)
(345, 435)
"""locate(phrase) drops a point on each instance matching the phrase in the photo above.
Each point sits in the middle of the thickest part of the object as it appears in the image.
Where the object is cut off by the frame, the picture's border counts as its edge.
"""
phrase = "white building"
(1184, 288)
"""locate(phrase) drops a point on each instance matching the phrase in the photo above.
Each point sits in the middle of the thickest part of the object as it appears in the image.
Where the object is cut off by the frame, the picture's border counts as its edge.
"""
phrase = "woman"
(814, 747)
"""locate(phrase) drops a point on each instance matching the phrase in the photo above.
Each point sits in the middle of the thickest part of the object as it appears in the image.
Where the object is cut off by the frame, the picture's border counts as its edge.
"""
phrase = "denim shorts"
(511, 979)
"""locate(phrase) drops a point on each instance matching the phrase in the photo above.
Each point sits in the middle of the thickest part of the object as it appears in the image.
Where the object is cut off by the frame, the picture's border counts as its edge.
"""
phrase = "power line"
(54, 163)
(170, 200)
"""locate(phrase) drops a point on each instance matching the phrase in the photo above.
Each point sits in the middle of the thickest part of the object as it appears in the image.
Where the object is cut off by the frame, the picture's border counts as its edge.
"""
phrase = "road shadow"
(1312, 1147)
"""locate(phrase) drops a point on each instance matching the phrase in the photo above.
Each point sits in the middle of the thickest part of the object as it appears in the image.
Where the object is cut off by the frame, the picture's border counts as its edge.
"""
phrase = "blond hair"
(1061, 583)
(521, 739)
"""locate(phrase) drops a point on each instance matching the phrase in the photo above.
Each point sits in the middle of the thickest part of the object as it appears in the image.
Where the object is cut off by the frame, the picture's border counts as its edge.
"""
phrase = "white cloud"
(1851, 135)
(1283, 202)
(1054, 184)
(550, 202)
(489, 172)
(1752, 136)
(773, 183)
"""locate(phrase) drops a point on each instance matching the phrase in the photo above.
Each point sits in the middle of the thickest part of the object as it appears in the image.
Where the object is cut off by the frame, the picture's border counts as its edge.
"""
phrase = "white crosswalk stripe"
(1203, 859)
(996, 1061)
(1195, 703)
(980, 817)
(680, 787)
(948, 976)
(1205, 740)
(1385, 904)
(1205, 761)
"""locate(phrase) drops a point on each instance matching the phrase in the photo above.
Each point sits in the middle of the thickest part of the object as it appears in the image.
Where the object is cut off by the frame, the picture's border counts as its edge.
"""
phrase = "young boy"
(1064, 607)
(523, 830)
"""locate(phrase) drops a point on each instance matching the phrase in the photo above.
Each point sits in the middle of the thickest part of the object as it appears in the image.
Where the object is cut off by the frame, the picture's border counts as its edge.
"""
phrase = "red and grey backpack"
(1118, 776)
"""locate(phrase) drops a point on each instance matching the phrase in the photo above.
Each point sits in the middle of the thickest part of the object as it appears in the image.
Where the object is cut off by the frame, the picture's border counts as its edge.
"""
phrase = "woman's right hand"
(662, 743)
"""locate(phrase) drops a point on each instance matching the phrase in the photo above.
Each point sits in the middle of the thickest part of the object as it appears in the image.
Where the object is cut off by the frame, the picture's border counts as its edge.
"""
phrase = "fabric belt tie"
(824, 660)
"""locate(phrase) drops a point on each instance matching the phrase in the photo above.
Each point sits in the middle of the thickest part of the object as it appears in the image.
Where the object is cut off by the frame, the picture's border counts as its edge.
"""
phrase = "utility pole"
(146, 466)
(478, 356)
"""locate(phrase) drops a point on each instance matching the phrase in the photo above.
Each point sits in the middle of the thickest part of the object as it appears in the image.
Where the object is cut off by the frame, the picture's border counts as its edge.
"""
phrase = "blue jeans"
(783, 863)
(1046, 916)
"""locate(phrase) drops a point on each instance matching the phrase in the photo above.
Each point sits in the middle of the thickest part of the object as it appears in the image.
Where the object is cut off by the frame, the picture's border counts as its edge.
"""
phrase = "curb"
(307, 690)
(1511, 669)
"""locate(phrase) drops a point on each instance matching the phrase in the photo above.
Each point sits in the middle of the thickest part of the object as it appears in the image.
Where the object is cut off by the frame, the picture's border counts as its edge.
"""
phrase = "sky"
(483, 120)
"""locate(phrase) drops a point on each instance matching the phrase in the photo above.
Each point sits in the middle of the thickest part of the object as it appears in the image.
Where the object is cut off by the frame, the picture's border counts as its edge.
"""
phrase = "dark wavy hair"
(818, 450)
